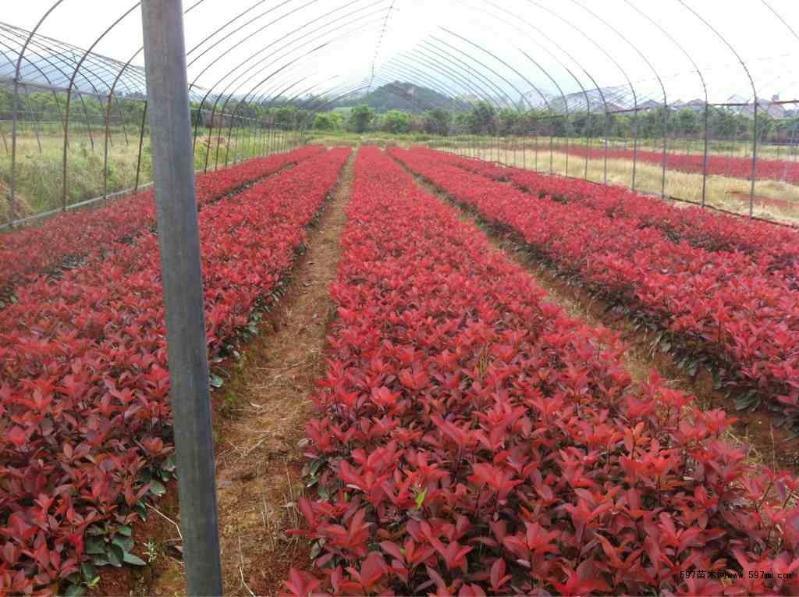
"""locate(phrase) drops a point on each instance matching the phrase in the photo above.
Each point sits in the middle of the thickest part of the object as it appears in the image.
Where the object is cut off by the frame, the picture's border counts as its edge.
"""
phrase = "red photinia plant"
(724, 305)
(472, 439)
(719, 165)
(775, 247)
(84, 389)
(91, 233)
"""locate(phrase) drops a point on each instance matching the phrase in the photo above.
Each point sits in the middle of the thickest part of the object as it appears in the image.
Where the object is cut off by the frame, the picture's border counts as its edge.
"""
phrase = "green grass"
(39, 167)
(40, 164)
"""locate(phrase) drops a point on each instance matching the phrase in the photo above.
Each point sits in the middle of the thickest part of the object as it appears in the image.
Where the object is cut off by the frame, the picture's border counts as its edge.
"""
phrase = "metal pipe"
(701, 81)
(14, 116)
(754, 94)
(141, 144)
(179, 240)
(646, 60)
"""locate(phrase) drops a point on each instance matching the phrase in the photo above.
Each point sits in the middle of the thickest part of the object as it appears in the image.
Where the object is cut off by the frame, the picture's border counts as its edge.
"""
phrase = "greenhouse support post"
(178, 234)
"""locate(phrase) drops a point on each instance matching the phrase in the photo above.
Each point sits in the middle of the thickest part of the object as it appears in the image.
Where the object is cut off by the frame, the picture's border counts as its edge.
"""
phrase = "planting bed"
(79, 235)
(471, 438)
(84, 418)
(736, 167)
(775, 247)
(728, 308)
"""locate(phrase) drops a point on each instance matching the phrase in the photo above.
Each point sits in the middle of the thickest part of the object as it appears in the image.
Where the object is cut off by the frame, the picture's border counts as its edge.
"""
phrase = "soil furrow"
(260, 419)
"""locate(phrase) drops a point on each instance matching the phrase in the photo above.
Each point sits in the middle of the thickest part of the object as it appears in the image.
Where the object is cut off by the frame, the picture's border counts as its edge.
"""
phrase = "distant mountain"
(406, 97)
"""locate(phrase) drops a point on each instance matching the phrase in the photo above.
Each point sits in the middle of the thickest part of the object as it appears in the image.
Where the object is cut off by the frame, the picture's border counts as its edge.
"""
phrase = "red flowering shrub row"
(84, 414)
(719, 165)
(775, 247)
(717, 305)
(76, 234)
(471, 438)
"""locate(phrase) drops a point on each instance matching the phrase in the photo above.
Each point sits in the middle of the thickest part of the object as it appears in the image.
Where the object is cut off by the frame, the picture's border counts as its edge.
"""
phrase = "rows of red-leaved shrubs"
(83, 380)
(473, 439)
(775, 247)
(718, 305)
(78, 234)
(719, 165)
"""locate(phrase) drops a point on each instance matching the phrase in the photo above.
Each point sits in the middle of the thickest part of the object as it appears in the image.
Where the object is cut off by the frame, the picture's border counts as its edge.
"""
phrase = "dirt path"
(264, 410)
(767, 444)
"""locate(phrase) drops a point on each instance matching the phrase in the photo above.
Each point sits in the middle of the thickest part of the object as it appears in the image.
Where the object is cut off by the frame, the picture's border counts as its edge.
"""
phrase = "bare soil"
(259, 461)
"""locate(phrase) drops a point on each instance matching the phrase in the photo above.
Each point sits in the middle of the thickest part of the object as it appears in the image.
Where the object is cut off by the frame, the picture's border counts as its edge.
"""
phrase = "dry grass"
(731, 194)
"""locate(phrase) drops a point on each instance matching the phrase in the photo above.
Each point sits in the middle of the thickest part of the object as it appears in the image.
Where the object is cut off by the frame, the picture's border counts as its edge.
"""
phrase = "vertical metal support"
(106, 140)
(665, 148)
(141, 145)
(12, 197)
(588, 140)
(754, 161)
(608, 131)
(704, 154)
(229, 141)
(566, 131)
(178, 235)
(524, 144)
(635, 145)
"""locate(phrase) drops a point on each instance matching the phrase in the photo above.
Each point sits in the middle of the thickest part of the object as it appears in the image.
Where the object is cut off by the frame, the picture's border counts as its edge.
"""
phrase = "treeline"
(481, 119)
(484, 119)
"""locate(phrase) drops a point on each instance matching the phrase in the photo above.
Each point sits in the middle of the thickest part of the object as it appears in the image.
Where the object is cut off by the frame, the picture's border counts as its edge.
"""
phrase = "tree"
(395, 122)
(687, 121)
(327, 121)
(509, 121)
(360, 118)
(482, 119)
(437, 121)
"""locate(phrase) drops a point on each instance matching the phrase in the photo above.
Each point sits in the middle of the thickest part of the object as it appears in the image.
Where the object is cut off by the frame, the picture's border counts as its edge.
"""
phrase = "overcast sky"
(504, 49)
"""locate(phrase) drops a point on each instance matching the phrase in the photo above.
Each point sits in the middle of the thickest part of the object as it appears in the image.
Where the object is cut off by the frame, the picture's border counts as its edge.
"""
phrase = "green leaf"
(133, 559)
(420, 498)
(745, 402)
(95, 546)
(87, 571)
(169, 464)
(115, 557)
(74, 591)
(157, 488)
(100, 560)
(124, 543)
(125, 530)
(216, 381)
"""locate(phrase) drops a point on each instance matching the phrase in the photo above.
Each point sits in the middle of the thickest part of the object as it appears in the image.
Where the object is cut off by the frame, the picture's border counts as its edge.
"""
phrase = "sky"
(517, 52)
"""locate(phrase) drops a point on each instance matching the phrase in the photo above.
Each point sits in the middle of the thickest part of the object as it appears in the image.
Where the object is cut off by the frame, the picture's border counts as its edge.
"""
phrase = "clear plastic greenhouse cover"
(575, 65)
(525, 53)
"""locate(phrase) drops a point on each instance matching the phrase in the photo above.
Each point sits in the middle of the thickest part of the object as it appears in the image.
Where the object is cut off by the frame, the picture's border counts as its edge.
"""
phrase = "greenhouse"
(382, 297)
